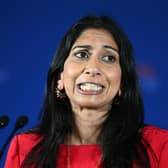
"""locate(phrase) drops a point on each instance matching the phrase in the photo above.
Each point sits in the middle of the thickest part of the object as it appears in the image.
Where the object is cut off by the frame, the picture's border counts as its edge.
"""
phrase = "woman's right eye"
(81, 54)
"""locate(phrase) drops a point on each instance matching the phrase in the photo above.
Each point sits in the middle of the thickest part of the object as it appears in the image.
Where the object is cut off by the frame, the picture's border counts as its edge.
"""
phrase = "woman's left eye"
(109, 58)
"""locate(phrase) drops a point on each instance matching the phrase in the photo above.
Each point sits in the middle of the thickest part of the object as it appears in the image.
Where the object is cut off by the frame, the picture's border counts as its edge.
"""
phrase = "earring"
(60, 94)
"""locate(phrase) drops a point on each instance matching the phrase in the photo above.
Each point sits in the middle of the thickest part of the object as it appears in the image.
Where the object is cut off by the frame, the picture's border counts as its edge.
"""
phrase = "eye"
(109, 58)
(81, 54)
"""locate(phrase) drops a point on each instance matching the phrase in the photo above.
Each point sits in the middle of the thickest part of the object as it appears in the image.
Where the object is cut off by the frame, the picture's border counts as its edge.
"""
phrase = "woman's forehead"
(94, 36)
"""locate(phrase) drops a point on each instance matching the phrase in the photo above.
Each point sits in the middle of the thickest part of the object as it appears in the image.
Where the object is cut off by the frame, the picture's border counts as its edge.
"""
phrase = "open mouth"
(90, 87)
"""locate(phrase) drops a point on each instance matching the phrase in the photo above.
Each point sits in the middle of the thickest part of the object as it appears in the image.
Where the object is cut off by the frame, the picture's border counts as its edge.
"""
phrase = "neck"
(88, 124)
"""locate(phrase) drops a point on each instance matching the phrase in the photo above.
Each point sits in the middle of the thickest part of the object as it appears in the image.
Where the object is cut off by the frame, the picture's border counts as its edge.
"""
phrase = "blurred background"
(30, 32)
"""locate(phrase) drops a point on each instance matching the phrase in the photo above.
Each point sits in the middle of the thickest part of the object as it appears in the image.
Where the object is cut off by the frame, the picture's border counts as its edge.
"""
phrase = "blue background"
(30, 32)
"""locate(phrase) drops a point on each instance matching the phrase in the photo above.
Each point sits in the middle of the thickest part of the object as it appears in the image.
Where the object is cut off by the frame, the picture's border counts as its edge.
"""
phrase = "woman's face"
(92, 74)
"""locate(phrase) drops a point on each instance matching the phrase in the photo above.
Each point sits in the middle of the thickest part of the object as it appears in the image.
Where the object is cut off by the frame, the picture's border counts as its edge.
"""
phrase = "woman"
(93, 112)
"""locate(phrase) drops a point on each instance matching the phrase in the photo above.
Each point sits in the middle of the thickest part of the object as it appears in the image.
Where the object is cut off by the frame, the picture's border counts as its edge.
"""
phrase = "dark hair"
(120, 138)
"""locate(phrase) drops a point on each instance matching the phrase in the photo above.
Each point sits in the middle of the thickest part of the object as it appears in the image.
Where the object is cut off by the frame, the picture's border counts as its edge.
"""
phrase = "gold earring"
(60, 94)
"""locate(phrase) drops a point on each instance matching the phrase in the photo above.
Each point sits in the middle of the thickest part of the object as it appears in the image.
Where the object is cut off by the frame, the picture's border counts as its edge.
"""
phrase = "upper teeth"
(90, 87)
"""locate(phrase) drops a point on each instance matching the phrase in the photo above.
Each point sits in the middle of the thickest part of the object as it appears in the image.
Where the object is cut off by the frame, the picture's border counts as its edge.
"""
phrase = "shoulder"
(24, 142)
(156, 142)
(155, 134)
(27, 140)
(28, 136)
(19, 147)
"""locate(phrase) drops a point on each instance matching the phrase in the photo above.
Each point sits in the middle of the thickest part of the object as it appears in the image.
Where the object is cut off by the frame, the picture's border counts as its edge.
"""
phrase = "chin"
(94, 105)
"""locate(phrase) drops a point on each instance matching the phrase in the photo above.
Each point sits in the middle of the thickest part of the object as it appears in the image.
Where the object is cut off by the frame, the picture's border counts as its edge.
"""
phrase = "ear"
(60, 82)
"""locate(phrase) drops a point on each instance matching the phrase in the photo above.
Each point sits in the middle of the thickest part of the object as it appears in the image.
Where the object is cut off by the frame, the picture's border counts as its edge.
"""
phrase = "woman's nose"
(92, 69)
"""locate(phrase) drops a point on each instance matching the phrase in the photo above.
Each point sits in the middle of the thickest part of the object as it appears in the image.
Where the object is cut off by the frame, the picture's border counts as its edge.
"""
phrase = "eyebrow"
(90, 47)
(82, 46)
(110, 47)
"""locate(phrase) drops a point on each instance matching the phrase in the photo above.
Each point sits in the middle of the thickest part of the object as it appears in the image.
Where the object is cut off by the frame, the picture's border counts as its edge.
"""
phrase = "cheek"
(115, 77)
(70, 74)
(70, 69)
